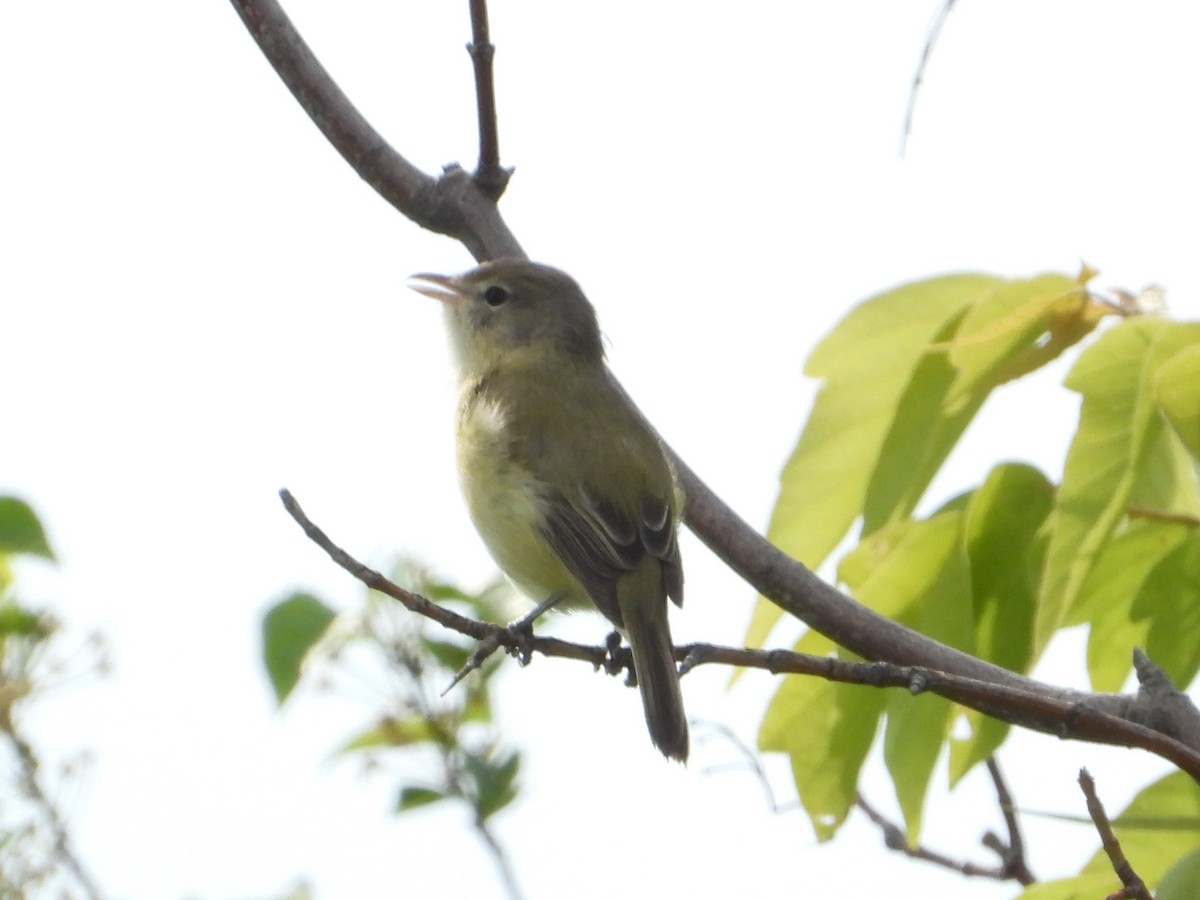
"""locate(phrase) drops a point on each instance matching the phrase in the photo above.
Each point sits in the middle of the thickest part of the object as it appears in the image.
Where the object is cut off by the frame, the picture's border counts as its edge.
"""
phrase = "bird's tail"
(643, 607)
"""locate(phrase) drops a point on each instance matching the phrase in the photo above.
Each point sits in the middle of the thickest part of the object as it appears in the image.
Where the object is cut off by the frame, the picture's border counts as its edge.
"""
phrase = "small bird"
(566, 482)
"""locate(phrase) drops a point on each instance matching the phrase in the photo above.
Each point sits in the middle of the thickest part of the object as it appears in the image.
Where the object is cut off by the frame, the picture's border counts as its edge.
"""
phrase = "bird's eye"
(495, 295)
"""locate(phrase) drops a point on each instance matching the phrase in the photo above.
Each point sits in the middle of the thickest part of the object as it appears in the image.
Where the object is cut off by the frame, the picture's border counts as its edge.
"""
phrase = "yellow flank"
(502, 498)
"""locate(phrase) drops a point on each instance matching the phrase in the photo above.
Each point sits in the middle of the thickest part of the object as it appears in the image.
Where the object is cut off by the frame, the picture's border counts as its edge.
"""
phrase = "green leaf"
(1000, 533)
(1182, 881)
(866, 363)
(1166, 484)
(20, 530)
(495, 781)
(1106, 599)
(478, 707)
(487, 603)
(927, 573)
(1170, 601)
(917, 726)
(905, 372)
(915, 572)
(1177, 389)
(1082, 887)
(16, 621)
(390, 732)
(415, 797)
(1018, 327)
(1148, 827)
(1117, 427)
(290, 629)
(450, 655)
(826, 729)
(918, 439)
(899, 569)
(997, 337)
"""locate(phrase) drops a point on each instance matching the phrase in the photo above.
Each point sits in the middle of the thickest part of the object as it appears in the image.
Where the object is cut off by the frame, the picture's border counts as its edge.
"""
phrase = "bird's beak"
(440, 287)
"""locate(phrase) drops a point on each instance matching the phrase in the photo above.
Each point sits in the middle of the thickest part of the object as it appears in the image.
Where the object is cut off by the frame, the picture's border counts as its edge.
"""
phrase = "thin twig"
(751, 762)
(895, 838)
(1012, 852)
(507, 637)
(1133, 886)
(31, 785)
(935, 29)
(500, 857)
(450, 750)
(491, 177)
(452, 204)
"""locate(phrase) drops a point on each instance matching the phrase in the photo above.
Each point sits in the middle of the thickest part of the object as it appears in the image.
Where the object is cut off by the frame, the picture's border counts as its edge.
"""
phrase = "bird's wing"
(598, 543)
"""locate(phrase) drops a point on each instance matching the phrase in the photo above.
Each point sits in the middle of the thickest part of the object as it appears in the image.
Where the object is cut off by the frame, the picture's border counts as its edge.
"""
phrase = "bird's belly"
(504, 501)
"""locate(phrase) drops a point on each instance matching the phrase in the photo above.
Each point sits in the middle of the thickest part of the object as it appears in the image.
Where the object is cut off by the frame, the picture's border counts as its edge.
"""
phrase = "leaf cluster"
(406, 669)
(997, 570)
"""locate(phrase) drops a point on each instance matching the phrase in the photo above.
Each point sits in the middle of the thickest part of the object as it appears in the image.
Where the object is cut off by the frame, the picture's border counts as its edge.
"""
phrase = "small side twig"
(505, 636)
(895, 838)
(1133, 888)
(1012, 851)
(490, 176)
(935, 29)
(751, 761)
(31, 784)
(453, 204)
(500, 858)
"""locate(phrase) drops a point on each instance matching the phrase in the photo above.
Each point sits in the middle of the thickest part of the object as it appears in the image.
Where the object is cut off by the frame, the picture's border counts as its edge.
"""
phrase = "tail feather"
(643, 607)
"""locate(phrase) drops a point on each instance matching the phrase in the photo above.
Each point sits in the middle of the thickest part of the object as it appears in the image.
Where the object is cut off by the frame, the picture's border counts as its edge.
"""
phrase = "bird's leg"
(619, 659)
(523, 627)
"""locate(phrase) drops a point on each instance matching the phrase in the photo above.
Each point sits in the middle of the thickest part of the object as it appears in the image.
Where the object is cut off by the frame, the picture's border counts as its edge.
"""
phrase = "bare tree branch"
(1079, 716)
(895, 838)
(1012, 852)
(1134, 888)
(506, 636)
(453, 204)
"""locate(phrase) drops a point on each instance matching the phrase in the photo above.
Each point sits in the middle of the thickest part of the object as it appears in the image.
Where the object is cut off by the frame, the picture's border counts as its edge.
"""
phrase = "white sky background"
(202, 303)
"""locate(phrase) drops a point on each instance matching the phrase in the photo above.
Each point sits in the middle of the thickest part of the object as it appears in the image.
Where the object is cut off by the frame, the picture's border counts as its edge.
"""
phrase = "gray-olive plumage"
(566, 482)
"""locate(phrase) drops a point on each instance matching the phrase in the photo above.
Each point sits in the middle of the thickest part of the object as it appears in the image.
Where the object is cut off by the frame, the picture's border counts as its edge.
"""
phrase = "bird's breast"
(504, 499)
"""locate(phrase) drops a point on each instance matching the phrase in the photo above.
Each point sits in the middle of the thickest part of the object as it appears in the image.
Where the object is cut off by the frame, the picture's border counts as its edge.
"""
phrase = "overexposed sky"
(202, 304)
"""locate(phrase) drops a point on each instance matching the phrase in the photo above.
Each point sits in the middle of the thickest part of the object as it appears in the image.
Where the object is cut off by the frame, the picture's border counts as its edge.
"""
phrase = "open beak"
(440, 287)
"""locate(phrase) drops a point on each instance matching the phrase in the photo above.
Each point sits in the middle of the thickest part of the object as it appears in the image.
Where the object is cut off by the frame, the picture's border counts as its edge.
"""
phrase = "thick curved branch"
(453, 204)
(456, 206)
(795, 589)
